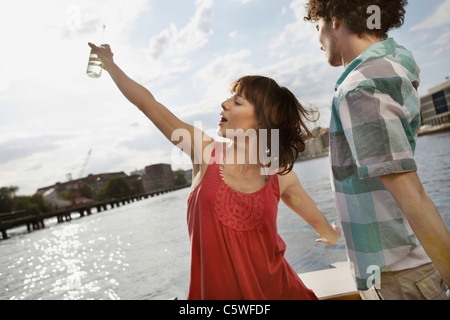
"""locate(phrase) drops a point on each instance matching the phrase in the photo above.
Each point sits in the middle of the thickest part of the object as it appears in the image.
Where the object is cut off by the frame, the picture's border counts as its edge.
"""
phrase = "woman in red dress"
(236, 252)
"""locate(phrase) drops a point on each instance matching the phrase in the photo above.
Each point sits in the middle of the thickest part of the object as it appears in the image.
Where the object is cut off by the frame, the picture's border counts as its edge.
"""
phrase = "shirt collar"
(377, 50)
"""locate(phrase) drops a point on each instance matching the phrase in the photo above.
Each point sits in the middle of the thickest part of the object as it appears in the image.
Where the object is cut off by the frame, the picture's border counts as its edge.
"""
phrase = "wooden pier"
(35, 222)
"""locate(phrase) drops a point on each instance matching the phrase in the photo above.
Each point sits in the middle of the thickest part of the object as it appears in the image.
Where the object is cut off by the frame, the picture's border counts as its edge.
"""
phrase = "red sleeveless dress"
(236, 252)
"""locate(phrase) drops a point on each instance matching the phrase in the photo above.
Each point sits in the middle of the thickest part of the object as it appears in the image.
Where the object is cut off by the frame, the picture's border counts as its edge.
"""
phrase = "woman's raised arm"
(143, 99)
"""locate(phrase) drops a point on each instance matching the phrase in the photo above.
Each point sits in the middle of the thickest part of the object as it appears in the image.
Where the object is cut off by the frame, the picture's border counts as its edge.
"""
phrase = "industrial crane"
(76, 192)
(69, 175)
(85, 164)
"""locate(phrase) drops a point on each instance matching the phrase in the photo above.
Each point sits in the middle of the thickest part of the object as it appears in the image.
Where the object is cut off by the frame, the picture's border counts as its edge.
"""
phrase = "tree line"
(34, 204)
(115, 188)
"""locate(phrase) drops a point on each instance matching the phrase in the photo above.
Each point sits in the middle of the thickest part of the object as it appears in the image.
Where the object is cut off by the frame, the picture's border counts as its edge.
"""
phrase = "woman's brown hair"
(277, 108)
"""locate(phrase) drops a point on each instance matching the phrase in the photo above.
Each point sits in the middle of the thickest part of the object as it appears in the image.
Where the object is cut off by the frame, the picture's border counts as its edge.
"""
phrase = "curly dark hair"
(277, 108)
(354, 14)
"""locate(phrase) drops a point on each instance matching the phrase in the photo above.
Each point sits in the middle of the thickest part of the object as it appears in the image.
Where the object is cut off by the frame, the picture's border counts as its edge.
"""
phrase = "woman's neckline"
(222, 178)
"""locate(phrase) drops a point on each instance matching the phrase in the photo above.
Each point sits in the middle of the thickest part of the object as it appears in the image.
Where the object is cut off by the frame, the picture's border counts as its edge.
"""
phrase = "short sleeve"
(376, 126)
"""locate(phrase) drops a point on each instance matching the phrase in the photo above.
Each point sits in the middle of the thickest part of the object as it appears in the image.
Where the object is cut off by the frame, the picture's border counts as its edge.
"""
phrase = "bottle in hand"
(94, 68)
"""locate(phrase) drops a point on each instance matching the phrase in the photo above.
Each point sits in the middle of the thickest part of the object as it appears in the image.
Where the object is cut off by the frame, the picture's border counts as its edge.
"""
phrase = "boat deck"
(335, 283)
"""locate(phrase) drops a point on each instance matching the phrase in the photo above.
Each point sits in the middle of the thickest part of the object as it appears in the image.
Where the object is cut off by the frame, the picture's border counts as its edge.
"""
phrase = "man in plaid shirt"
(395, 236)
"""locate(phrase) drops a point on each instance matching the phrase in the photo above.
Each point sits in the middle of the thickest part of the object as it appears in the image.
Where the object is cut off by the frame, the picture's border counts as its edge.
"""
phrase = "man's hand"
(423, 217)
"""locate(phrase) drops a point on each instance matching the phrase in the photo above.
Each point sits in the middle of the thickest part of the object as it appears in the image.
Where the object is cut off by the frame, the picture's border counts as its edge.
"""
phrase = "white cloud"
(445, 50)
(51, 112)
(438, 19)
(51, 66)
(298, 33)
(301, 65)
(232, 34)
(431, 64)
(22, 147)
(216, 77)
(43, 58)
(5, 80)
(194, 35)
(443, 38)
(243, 1)
(443, 43)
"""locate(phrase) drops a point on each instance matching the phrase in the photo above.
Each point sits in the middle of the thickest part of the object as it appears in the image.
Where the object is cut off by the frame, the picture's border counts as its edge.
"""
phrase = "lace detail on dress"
(237, 210)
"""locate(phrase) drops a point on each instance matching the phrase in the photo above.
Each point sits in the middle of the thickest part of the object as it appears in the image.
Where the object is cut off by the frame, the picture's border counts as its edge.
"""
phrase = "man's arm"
(423, 217)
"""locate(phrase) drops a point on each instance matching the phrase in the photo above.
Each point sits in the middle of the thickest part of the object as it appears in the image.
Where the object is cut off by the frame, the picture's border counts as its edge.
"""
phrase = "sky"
(186, 52)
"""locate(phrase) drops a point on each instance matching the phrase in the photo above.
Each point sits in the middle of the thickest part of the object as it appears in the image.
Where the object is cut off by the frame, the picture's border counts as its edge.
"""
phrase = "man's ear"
(336, 23)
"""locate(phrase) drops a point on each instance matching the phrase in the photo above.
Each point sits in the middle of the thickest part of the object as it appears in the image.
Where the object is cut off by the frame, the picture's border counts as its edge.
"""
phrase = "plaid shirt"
(373, 132)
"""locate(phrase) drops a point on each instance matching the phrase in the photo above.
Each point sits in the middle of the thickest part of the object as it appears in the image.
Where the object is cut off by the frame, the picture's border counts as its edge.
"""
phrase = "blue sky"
(186, 52)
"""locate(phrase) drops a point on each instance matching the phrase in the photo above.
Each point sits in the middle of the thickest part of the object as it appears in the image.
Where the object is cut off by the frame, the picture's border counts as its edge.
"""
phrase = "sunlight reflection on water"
(141, 251)
(64, 266)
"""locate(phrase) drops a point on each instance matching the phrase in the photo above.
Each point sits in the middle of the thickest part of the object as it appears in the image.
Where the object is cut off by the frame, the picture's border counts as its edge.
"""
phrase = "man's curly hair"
(354, 14)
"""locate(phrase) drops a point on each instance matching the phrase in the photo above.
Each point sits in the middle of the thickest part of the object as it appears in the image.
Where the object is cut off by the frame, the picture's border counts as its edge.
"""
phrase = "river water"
(141, 250)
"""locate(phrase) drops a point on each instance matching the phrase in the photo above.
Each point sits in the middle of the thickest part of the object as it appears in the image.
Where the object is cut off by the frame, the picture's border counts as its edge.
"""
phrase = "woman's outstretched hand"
(105, 55)
(334, 236)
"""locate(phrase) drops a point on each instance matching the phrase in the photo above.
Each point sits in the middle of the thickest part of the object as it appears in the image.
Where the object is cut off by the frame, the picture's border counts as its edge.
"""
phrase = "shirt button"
(389, 167)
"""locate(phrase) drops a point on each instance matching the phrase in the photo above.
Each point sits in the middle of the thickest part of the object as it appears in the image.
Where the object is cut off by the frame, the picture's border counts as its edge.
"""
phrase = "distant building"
(95, 181)
(435, 105)
(135, 182)
(188, 176)
(137, 172)
(318, 146)
(158, 177)
(50, 194)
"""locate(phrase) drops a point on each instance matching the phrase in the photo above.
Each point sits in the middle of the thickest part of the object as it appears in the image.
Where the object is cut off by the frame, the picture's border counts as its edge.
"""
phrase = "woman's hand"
(105, 55)
(333, 237)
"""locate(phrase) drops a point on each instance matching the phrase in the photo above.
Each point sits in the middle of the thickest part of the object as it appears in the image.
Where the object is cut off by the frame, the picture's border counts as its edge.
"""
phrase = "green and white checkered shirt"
(373, 132)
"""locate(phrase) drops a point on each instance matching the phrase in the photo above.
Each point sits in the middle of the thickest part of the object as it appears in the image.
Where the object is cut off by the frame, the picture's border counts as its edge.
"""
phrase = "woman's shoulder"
(287, 180)
(211, 153)
(214, 152)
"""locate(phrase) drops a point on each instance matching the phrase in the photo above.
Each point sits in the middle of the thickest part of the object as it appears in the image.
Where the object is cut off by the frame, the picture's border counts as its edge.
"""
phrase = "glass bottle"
(94, 68)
